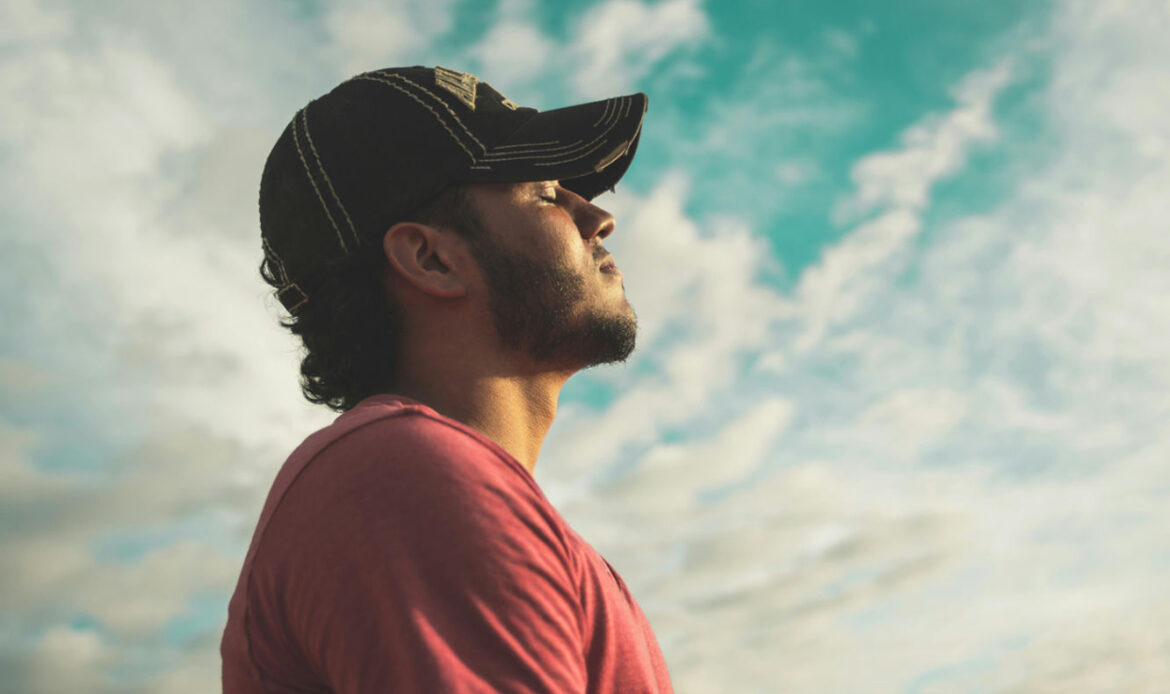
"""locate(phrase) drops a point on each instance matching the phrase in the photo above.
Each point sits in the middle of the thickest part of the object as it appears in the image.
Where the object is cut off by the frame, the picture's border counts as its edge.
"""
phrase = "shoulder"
(413, 443)
(394, 465)
(411, 484)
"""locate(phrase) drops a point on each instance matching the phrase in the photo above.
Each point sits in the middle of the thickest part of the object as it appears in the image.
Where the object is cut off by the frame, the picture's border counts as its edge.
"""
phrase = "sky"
(897, 421)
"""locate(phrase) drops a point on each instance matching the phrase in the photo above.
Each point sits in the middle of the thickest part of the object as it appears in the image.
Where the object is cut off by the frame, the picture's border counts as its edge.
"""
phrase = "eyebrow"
(538, 185)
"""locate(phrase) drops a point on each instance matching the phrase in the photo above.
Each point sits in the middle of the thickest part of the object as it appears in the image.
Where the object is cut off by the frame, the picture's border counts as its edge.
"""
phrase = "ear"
(426, 257)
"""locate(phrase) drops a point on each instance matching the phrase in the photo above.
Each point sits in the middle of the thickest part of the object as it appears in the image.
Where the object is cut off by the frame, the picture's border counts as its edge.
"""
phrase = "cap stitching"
(424, 105)
(309, 173)
(563, 149)
(583, 154)
(325, 174)
(591, 145)
(553, 151)
(281, 273)
(605, 112)
(614, 119)
(446, 106)
(442, 102)
(527, 144)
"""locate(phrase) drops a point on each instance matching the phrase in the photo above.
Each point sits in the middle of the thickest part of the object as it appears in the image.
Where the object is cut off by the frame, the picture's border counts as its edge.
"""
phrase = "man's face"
(555, 292)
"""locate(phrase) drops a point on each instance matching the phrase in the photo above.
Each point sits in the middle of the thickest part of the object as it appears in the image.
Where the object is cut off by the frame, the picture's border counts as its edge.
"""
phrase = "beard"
(534, 308)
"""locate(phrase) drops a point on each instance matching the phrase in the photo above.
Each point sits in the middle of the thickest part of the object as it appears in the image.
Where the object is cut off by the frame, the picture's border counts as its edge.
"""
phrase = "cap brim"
(587, 147)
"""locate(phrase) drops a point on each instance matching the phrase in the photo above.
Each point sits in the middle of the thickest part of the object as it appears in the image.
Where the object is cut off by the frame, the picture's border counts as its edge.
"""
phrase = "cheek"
(560, 247)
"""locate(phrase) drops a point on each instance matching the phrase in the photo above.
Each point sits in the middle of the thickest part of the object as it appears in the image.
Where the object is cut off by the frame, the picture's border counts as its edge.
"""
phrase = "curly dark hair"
(350, 328)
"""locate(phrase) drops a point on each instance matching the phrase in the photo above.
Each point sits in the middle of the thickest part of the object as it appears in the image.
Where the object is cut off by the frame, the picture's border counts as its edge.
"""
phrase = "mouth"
(608, 266)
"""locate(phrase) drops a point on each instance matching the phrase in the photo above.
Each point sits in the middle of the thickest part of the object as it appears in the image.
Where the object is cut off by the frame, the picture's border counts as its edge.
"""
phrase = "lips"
(608, 266)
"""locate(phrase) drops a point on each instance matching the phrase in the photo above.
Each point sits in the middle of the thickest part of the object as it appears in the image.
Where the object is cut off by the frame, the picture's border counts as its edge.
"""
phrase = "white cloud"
(930, 150)
(368, 35)
(763, 137)
(884, 456)
(668, 476)
(514, 50)
(797, 171)
(142, 317)
(897, 184)
(699, 310)
(618, 42)
(67, 659)
(29, 20)
(909, 420)
(841, 42)
(976, 453)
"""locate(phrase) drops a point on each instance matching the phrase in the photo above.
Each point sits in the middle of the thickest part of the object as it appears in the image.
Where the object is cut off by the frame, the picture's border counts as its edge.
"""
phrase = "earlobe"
(422, 255)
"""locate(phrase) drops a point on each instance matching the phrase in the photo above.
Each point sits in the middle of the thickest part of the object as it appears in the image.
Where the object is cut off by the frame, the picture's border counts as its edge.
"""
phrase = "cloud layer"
(939, 457)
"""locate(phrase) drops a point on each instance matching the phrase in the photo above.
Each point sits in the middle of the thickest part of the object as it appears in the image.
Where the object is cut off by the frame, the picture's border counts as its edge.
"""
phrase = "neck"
(513, 410)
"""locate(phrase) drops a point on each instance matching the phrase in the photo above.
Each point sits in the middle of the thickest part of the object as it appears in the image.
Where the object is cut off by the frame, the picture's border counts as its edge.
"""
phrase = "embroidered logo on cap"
(461, 84)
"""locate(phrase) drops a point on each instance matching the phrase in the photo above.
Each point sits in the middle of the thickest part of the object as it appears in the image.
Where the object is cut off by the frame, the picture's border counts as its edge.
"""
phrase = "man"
(440, 257)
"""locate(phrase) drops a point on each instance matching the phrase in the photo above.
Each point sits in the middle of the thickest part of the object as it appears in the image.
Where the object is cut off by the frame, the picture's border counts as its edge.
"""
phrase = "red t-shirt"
(401, 551)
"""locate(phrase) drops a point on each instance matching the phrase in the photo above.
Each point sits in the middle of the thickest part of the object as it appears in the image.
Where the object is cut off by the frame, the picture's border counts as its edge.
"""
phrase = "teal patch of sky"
(130, 546)
(909, 55)
(994, 170)
(471, 22)
(630, 456)
(204, 617)
(23, 265)
(588, 389)
(70, 434)
(31, 625)
(86, 622)
(597, 390)
(303, 9)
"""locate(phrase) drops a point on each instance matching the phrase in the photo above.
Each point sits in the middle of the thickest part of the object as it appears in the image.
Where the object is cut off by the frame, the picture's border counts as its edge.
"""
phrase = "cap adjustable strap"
(292, 297)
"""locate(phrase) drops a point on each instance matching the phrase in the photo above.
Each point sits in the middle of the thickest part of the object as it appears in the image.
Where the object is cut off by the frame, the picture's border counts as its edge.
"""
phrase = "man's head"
(530, 256)
(394, 156)
(556, 294)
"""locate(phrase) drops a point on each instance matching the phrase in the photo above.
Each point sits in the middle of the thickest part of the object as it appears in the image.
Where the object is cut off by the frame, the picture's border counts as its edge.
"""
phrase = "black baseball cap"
(363, 157)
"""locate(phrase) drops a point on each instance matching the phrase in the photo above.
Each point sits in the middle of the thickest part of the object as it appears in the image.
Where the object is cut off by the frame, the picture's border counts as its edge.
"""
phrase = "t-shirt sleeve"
(411, 557)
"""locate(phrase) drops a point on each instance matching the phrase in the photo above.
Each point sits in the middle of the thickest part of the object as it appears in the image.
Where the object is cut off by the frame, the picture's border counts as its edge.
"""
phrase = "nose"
(594, 221)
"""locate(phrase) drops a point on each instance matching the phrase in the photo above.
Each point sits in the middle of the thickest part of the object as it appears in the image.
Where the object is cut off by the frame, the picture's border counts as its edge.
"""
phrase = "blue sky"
(897, 418)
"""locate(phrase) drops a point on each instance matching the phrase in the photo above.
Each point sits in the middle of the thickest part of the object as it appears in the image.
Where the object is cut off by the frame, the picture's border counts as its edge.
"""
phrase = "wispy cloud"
(959, 434)
(515, 49)
(618, 42)
(366, 35)
(930, 150)
(975, 452)
(139, 276)
(896, 185)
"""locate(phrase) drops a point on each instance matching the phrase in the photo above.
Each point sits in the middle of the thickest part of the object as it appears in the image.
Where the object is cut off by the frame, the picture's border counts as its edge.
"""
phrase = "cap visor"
(587, 146)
